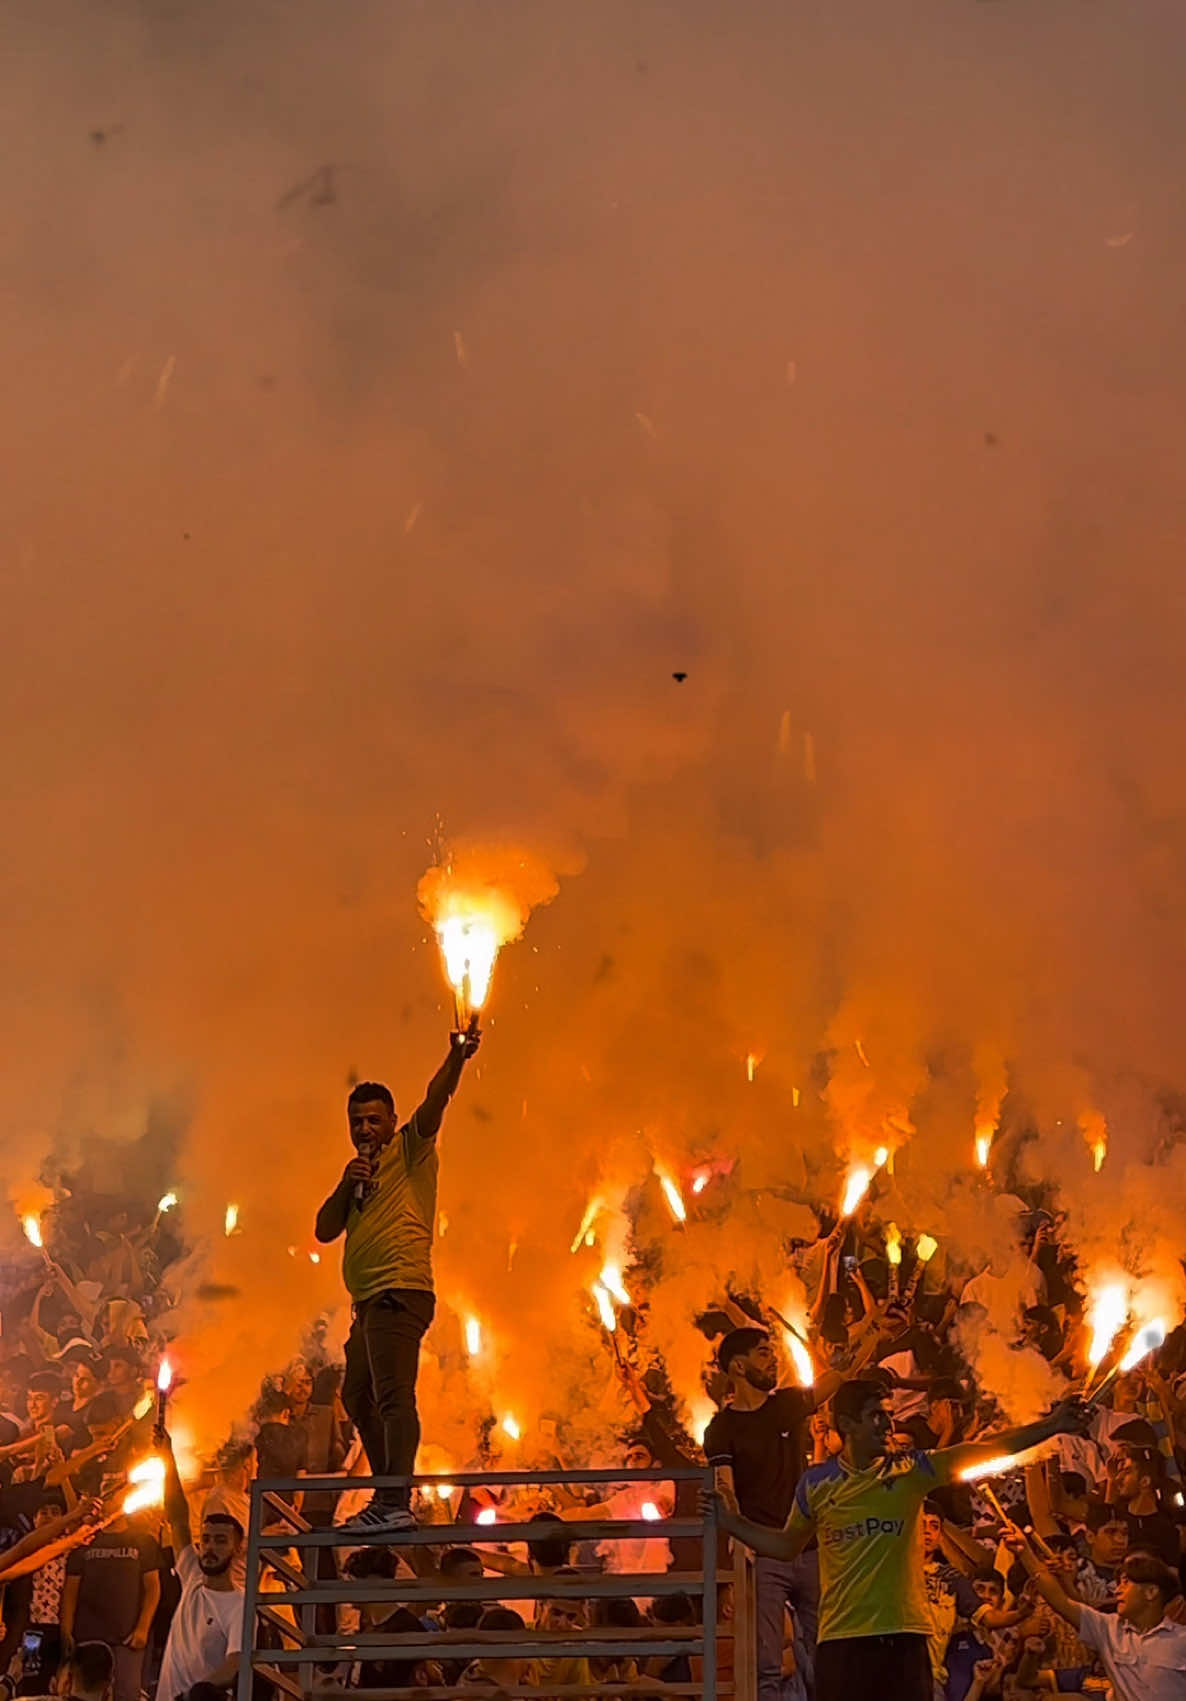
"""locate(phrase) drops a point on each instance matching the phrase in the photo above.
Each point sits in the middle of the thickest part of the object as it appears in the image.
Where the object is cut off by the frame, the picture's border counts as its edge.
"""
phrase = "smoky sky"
(398, 396)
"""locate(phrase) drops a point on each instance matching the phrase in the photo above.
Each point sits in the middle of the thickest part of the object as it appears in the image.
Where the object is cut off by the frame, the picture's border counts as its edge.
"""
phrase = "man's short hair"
(1059, 1543)
(454, 1558)
(674, 1609)
(104, 1408)
(122, 1354)
(93, 1664)
(370, 1562)
(737, 1343)
(988, 1574)
(1073, 1483)
(1147, 1460)
(224, 1520)
(370, 1092)
(852, 1397)
(1146, 1568)
(44, 1382)
(500, 1618)
(551, 1550)
(1099, 1514)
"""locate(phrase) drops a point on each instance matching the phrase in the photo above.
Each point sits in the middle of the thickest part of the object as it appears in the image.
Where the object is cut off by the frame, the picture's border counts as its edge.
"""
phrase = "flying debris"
(679, 678)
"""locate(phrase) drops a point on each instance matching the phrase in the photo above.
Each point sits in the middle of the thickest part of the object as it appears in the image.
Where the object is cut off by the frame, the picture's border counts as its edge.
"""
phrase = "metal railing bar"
(278, 1622)
(490, 1535)
(334, 1650)
(532, 1692)
(484, 1479)
(614, 1585)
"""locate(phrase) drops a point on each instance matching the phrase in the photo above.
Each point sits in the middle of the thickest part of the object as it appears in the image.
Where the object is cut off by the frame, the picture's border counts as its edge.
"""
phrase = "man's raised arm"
(428, 1117)
(1069, 1417)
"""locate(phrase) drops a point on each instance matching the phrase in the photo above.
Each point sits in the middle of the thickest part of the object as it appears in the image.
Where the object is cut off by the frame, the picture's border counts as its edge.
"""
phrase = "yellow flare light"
(893, 1244)
(605, 1307)
(855, 1189)
(983, 1147)
(586, 1228)
(801, 1359)
(751, 1063)
(32, 1228)
(1098, 1153)
(511, 1428)
(1106, 1316)
(674, 1198)
(650, 1512)
(149, 1490)
(1147, 1340)
(611, 1281)
(487, 1515)
(143, 1406)
(469, 944)
(926, 1247)
(230, 1221)
(989, 1468)
(881, 1156)
(164, 1377)
(166, 1202)
(701, 1180)
(700, 1414)
(473, 1336)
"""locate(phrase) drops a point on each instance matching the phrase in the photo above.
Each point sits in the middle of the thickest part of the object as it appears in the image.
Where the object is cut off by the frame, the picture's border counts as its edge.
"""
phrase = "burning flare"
(1106, 1316)
(230, 1221)
(605, 1307)
(893, 1244)
(587, 1221)
(674, 1198)
(801, 1359)
(149, 1478)
(166, 1203)
(511, 1428)
(855, 1189)
(926, 1247)
(1099, 1152)
(473, 1336)
(989, 1467)
(611, 1281)
(32, 1227)
(1146, 1341)
(164, 1377)
(983, 1147)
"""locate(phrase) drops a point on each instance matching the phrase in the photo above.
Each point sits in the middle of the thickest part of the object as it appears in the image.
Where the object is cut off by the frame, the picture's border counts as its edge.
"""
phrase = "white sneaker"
(377, 1519)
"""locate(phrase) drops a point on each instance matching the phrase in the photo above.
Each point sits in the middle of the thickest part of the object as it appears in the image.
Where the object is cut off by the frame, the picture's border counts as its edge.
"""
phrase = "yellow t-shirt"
(869, 1525)
(389, 1241)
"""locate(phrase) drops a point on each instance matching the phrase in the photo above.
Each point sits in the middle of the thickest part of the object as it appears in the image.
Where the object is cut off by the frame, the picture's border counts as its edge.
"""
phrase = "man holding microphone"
(385, 1204)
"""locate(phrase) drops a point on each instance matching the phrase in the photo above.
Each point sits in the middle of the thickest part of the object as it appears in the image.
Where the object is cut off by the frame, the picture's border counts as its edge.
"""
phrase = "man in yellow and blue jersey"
(866, 1509)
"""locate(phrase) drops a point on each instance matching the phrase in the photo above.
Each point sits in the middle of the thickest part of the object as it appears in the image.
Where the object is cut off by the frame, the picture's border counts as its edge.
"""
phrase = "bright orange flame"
(32, 1228)
(611, 1281)
(650, 1512)
(700, 1414)
(926, 1247)
(1106, 1316)
(473, 1336)
(164, 1377)
(855, 1189)
(469, 946)
(983, 1147)
(1147, 1340)
(989, 1468)
(674, 1198)
(801, 1359)
(881, 1156)
(511, 1427)
(143, 1406)
(149, 1478)
(487, 1515)
(893, 1244)
(1098, 1153)
(701, 1180)
(587, 1221)
(605, 1307)
(230, 1221)
(751, 1063)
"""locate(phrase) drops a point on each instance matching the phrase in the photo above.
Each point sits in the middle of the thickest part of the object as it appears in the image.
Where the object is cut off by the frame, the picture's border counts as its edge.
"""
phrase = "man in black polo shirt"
(758, 1444)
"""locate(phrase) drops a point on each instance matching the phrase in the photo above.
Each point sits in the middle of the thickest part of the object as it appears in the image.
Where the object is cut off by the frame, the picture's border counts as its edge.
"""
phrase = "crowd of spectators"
(108, 1603)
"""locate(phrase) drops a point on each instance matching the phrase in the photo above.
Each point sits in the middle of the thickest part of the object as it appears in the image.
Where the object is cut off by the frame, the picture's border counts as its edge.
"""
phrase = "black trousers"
(379, 1388)
(874, 1668)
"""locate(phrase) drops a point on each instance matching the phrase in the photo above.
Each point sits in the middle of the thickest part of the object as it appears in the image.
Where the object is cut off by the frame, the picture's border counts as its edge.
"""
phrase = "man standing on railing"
(385, 1204)
(866, 1508)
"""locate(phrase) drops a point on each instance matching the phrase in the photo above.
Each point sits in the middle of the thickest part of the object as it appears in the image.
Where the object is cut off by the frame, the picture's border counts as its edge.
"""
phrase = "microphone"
(360, 1187)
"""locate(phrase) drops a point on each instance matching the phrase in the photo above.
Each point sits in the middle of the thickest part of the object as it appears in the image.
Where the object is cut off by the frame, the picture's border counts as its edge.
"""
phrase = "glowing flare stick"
(651, 1512)
(591, 1210)
(674, 1198)
(149, 1479)
(605, 1307)
(164, 1381)
(855, 1189)
(611, 1281)
(1098, 1153)
(473, 1336)
(230, 1221)
(925, 1248)
(143, 1406)
(488, 1515)
(701, 1180)
(801, 1359)
(32, 1227)
(881, 1157)
(1106, 1315)
(893, 1255)
(469, 944)
(989, 1467)
(983, 1147)
(511, 1427)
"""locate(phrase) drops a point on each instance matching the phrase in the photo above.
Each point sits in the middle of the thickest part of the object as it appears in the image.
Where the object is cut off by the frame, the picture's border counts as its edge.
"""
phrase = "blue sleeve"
(802, 1504)
(922, 1462)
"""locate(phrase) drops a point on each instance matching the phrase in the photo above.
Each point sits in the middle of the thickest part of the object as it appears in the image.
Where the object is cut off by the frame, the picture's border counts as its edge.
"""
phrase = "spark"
(314, 1257)
(674, 1198)
(861, 1052)
(751, 1063)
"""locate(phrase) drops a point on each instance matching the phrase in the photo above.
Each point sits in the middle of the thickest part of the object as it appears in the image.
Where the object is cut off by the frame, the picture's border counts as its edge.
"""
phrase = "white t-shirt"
(1147, 1665)
(206, 1628)
(905, 1403)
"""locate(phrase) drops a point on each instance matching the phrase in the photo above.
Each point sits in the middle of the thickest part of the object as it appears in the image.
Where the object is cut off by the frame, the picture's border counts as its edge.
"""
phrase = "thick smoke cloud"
(397, 399)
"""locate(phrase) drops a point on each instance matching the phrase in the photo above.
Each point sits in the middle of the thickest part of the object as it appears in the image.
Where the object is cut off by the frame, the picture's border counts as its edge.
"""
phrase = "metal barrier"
(291, 1612)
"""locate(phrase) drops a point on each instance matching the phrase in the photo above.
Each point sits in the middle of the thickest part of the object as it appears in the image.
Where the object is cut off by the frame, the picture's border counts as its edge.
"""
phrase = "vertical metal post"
(251, 1594)
(708, 1601)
